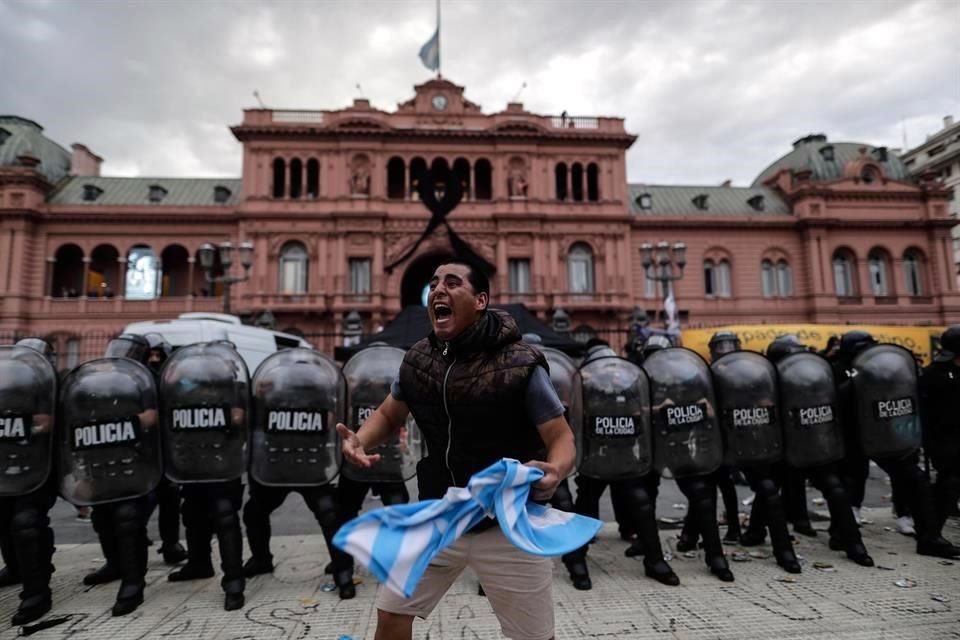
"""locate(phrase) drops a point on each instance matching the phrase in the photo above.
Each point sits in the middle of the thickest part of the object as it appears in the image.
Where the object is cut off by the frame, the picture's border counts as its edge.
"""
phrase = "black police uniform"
(903, 471)
(940, 388)
(26, 539)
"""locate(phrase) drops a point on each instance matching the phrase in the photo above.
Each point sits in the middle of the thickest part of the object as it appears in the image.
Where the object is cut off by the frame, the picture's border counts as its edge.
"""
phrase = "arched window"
(175, 271)
(418, 168)
(104, 276)
(461, 169)
(913, 272)
(561, 176)
(879, 262)
(68, 272)
(716, 278)
(843, 274)
(768, 279)
(279, 177)
(593, 182)
(313, 178)
(293, 268)
(784, 279)
(483, 179)
(143, 274)
(395, 169)
(580, 266)
(296, 178)
(576, 180)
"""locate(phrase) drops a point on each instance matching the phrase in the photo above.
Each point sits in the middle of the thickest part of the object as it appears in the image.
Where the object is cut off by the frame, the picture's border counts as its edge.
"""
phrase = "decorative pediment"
(519, 127)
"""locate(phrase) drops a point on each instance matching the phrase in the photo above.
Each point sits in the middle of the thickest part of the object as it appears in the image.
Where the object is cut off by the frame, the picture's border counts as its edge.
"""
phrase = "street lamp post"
(207, 256)
(664, 264)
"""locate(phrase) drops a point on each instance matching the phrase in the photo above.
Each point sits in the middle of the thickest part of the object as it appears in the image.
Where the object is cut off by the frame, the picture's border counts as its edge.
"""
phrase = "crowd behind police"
(148, 427)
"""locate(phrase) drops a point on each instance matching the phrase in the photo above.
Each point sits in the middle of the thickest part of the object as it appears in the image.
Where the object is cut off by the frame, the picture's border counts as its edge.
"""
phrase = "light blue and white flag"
(430, 52)
(397, 543)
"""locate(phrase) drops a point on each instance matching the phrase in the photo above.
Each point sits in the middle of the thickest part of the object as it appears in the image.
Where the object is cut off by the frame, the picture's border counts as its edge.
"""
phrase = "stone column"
(191, 262)
(86, 276)
(48, 273)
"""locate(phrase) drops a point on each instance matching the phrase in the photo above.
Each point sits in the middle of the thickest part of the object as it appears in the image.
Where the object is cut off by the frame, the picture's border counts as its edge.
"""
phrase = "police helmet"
(950, 340)
(41, 345)
(723, 342)
(128, 345)
(157, 341)
(532, 338)
(655, 343)
(853, 342)
(783, 346)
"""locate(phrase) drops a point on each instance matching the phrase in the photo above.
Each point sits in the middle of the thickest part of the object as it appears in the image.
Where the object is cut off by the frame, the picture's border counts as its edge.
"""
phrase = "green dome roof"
(19, 136)
(826, 160)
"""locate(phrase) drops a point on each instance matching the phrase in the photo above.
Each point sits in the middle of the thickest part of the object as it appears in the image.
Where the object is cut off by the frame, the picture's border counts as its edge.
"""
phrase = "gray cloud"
(714, 89)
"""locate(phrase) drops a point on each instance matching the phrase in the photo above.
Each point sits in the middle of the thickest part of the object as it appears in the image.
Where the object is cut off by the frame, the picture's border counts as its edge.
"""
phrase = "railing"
(885, 299)
(575, 122)
(292, 115)
(849, 299)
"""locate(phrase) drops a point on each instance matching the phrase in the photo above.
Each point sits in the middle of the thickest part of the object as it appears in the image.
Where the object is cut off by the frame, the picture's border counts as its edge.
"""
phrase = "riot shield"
(109, 443)
(812, 432)
(28, 400)
(888, 413)
(205, 407)
(686, 435)
(745, 384)
(369, 375)
(562, 373)
(611, 419)
(298, 398)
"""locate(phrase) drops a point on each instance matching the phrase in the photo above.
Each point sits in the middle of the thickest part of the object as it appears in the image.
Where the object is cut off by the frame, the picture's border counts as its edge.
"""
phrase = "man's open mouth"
(442, 312)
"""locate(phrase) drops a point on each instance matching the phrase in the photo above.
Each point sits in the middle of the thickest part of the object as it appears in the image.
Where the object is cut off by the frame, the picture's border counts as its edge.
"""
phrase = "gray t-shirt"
(542, 401)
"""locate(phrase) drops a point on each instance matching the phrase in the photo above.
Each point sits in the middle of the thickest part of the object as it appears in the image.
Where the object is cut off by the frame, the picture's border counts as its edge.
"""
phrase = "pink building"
(830, 232)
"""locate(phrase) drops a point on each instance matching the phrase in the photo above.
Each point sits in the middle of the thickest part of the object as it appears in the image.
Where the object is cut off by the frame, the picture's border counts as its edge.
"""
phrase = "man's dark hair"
(475, 275)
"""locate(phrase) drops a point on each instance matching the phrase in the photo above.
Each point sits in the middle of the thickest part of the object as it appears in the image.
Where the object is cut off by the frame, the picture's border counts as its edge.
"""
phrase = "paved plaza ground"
(905, 596)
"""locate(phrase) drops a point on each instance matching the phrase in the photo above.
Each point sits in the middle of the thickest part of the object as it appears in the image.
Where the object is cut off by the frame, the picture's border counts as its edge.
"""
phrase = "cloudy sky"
(714, 89)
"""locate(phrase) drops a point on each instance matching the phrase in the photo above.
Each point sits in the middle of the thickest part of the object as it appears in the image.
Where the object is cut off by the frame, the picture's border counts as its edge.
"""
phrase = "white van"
(253, 343)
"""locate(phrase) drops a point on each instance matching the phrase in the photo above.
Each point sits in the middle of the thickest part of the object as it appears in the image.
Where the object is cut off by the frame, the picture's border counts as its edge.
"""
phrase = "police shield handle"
(353, 449)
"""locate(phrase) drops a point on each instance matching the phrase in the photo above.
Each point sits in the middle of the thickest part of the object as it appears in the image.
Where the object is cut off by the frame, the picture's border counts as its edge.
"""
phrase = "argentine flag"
(430, 52)
(397, 543)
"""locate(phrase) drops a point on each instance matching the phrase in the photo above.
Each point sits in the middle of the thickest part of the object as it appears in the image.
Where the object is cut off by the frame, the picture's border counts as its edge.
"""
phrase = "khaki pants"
(517, 584)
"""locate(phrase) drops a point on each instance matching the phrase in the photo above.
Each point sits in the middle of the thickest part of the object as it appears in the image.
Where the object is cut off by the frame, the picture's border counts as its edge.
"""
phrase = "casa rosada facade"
(332, 204)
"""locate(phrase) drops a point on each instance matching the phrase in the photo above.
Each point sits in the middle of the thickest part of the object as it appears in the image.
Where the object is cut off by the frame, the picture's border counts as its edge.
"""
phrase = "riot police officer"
(813, 441)
(721, 343)
(746, 386)
(298, 395)
(611, 420)
(940, 388)
(110, 459)
(28, 392)
(687, 440)
(205, 410)
(879, 396)
(166, 498)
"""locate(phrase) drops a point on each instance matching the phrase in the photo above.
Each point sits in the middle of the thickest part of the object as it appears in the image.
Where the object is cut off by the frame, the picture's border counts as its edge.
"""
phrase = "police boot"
(199, 565)
(168, 505)
(777, 524)
(131, 557)
(257, 525)
(648, 537)
(173, 553)
(28, 529)
(938, 547)
(688, 534)
(576, 564)
(103, 525)
(756, 531)
(704, 510)
(231, 553)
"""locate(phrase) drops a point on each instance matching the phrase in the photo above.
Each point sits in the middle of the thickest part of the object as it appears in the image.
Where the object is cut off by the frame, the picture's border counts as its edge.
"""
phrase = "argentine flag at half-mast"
(430, 52)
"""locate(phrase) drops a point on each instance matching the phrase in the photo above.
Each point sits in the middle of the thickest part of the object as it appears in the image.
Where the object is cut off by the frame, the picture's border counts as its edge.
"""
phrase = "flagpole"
(439, 59)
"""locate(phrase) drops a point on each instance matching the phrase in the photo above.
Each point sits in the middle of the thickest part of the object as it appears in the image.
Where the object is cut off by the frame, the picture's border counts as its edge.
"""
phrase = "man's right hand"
(353, 449)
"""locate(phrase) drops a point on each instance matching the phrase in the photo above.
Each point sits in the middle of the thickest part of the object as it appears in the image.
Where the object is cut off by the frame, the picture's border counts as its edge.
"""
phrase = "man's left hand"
(544, 487)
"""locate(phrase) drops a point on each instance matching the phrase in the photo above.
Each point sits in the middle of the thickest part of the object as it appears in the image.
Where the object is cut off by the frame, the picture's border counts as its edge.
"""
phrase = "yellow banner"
(923, 341)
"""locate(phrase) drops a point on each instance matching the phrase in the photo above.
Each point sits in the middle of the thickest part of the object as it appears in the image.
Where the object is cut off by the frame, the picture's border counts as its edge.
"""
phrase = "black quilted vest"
(468, 398)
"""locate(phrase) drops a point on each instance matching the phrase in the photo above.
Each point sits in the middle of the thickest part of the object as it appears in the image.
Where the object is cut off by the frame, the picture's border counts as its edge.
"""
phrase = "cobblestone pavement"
(842, 600)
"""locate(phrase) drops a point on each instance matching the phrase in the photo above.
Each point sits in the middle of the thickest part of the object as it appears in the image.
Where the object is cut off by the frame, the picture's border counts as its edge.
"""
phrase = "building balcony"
(165, 306)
